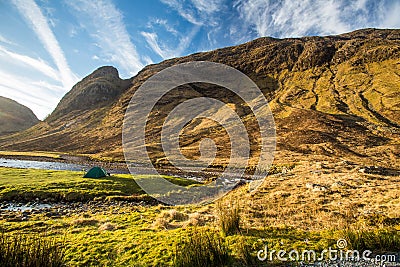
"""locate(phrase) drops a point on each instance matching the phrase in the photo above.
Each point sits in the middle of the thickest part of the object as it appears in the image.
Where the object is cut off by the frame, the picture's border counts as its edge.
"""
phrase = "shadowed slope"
(15, 117)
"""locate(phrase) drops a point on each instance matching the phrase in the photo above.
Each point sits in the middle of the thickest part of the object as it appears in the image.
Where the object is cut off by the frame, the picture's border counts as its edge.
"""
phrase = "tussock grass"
(167, 218)
(107, 227)
(84, 222)
(244, 252)
(202, 248)
(228, 217)
(25, 250)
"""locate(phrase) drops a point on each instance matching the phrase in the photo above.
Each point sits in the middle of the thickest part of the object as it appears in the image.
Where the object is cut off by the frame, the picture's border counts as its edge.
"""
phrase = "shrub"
(203, 248)
(26, 250)
(229, 218)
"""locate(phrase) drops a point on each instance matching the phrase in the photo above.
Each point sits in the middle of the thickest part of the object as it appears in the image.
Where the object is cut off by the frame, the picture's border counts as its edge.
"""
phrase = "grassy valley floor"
(111, 222)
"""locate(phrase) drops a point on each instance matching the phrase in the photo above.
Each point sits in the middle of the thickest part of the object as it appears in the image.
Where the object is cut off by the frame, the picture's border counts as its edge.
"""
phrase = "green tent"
(95, 172)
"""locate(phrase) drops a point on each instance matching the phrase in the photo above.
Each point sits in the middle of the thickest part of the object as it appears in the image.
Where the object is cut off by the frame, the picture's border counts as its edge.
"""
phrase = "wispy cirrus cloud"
(392, 18)
(197, 12)
(200, 13)
(299, 18)
(37, 21)
(5, 40)
(184, 11)
(39, 95)
(164, 23)
(36, 64)
(107, 27)
(208, 6)
(165, 51)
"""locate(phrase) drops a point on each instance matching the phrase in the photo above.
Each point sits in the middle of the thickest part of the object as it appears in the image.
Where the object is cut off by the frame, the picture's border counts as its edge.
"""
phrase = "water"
(25, 207)
(44, 165)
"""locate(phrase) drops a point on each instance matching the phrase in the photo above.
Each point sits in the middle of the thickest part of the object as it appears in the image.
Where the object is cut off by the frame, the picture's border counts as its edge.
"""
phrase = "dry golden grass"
(322, 195)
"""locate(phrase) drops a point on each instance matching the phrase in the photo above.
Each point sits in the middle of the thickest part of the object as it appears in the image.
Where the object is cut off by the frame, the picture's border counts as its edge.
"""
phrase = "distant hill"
(333, 96)
(15, 117)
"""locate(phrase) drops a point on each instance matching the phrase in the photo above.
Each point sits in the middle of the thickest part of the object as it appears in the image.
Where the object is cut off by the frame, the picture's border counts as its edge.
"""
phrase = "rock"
(316, 187)
(373, 170)
(338, 185)
(107, 227)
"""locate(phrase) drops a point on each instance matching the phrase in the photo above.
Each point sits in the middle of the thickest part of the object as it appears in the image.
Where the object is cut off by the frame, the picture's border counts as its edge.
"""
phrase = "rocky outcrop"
(99, 89)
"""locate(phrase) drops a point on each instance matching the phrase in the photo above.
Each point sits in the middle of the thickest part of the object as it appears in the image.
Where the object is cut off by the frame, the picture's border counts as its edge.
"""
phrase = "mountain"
(15, 117)
(332, 97)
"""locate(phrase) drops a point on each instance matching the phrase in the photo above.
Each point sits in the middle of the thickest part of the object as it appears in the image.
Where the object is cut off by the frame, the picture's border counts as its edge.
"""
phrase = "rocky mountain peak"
(100, 88)
(104, 72)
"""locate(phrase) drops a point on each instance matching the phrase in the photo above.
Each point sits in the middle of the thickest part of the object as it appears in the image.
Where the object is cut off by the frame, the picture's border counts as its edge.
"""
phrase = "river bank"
(79, 160)
(53, 161)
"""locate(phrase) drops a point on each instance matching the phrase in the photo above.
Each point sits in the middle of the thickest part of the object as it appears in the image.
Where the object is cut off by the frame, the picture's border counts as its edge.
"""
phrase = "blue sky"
(46, 46)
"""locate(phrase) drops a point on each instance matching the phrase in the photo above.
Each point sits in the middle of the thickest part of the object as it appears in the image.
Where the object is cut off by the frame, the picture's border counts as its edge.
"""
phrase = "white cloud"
(392, 18)
(151, 39)
(108, 28)
(41, 96)
(210, 15)
(197, 12)
(164, 23)
(5, 40)
(168, 52)
(289, 18)
(35, 18)
(183, 11)
(208, 6)
(37, 64)
(147, 60)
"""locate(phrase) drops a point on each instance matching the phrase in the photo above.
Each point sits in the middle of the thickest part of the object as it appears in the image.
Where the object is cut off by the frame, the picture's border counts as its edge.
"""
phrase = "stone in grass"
(338, 185)
(316, 187)
(107, 227)
(373, 170)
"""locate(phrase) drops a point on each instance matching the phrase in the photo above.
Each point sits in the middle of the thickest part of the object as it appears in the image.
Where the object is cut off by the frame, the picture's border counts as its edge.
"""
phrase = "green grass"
(202, 248)
(129, 236)
(133, 241)
(29, 184)
(386, 239)
(229, 217)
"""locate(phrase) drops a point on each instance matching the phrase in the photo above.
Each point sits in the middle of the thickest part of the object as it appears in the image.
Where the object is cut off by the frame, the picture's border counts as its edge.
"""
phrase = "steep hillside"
(15, 117)
(77, 120)
(333, 96)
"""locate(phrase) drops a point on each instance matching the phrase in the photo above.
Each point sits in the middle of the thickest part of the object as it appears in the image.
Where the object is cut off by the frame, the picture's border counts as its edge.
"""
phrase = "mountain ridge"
(15, 117)
(344, 90)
